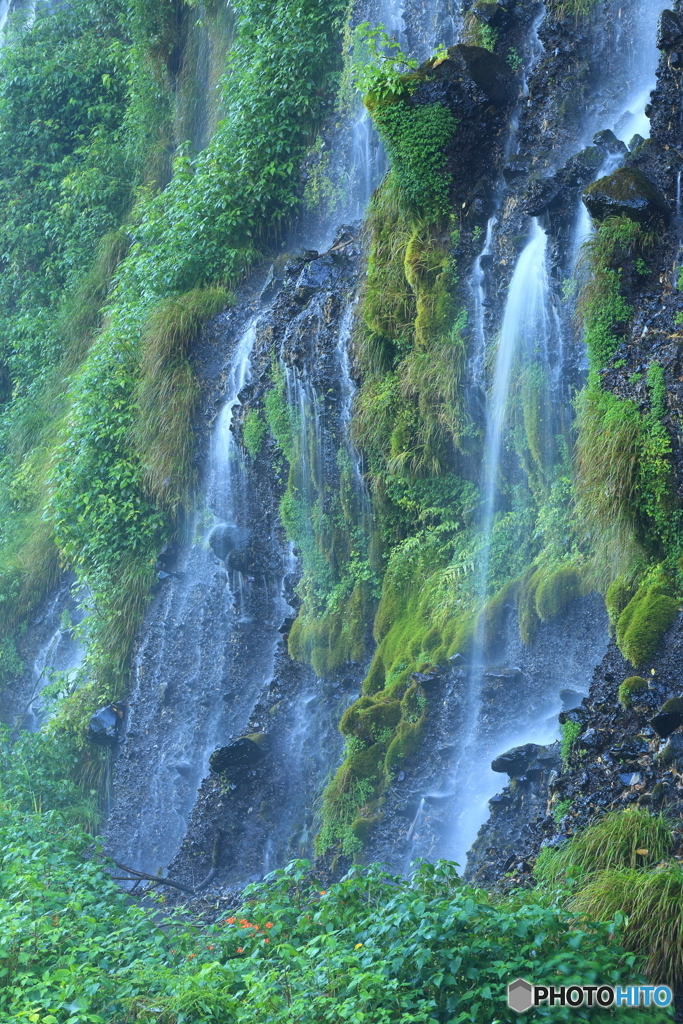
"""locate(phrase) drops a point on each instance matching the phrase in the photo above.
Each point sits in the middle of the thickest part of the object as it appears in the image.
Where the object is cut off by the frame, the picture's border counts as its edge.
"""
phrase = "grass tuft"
(611, 843)
(167, 393)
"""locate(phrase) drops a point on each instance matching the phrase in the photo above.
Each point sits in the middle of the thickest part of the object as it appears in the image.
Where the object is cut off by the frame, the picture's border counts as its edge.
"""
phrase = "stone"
(577, 715)
(225, 538)
(609, 143)
(668, 718)
(244, 752)
(635, 142)
(630, 778)
(516, 760)
(492, 14)
(669, 31)
(628, 193)
(104, 727)
(488, 71)
(592, 739)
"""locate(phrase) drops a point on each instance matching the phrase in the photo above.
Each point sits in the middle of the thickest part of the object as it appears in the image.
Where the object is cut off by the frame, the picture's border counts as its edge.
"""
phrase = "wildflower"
(212, 947)
(266, 940)
(244, 923)
(191, 955)
(230, 920)
(269, 924)
(358, 945)
(240, 950)
(323, 891)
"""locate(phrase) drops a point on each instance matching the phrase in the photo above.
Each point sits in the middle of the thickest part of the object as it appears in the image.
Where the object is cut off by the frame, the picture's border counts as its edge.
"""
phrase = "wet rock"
(593, 739)
(242, 753)
(224, 538)
(104, 727)
(628, 193)
(239, 561)
(577, 715)
(493, 14)
(669, 31)
(608, 142)
(488, 71)
(518, 166)
(182, 768)
(669, 717)
(635, 142)
(516, 760)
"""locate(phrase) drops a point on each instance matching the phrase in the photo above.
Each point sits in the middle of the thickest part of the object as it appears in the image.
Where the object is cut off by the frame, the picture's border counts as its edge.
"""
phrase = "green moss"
(618, 595)
(570, 733)
(527, 616)
(643, 622)
(556, 590)
(632, 685)
(406, 742)
(253, 432)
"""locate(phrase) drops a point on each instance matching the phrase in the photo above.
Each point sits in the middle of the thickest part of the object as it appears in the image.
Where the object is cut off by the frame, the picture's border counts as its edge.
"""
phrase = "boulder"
(570, 698)
(493, 14)
(516, 760)
(669, 31)
(105, 725)
(608, 142)
(628, 193)
(487, 70)
(223, 539)
(669, 717)
(244, 752)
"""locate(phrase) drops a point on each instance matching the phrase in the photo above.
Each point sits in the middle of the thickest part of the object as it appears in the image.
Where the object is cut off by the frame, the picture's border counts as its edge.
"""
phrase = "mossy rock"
(527, 616)
(404, 744)
(626, 193)
(362, 827)
(557, 590)
(630, 686)
(365, 764)
(643, 622)
(350, 720)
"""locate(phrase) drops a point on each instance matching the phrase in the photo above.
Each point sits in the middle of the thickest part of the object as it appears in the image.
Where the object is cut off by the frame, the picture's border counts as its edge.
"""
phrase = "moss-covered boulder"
(643, 622)
(492, 14)
(626, 193)
(669, 717)
(628, 688)
(556, 591)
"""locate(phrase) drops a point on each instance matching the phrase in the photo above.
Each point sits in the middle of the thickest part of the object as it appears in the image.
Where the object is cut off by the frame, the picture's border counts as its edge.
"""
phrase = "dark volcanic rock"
(516, 761)
(243, 753)
(626, 192)
(669, 31)
(669, 717)
(105, 725)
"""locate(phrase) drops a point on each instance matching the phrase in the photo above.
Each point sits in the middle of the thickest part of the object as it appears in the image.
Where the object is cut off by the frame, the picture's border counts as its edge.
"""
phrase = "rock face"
(480, 89)
(626, 193)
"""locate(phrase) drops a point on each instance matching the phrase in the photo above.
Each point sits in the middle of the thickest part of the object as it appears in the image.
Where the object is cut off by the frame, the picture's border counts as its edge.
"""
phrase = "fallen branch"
(142, 876)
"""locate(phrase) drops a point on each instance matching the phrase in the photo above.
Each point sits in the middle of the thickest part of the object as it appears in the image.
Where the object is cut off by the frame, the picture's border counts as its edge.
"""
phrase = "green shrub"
(253, 432)
(618, 595)
(570, 733)
(632, 685)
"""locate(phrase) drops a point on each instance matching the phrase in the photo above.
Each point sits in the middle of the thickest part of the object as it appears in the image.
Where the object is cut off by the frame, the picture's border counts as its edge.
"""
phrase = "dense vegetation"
(371, 948)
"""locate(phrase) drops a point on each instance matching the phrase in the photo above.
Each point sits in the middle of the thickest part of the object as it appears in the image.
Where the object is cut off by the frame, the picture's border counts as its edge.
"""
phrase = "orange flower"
(266, 940)
(269, 924)
(244, 923)
(191, 955)
(230, 920)
(239, 949)
(323, 891)
(212, 947)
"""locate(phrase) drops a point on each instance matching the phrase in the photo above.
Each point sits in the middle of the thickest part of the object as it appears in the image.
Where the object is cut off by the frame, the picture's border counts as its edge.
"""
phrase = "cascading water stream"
(531, 330)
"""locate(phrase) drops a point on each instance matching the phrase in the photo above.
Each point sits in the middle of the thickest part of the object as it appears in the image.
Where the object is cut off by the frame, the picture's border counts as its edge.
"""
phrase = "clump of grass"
(622, 839)
(644, 621)
(570, 733)
(167, 393)
(653, 904)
